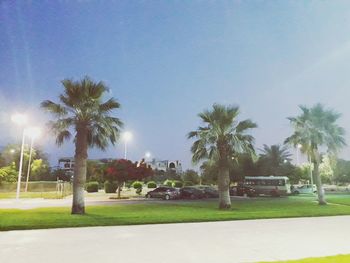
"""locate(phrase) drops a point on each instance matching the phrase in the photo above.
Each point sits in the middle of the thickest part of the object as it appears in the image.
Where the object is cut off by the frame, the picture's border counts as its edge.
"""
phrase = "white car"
(304, 189)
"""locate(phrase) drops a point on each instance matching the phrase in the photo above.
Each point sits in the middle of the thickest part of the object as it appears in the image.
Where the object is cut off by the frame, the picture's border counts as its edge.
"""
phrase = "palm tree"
(316, 128)
(82, 112)
(273, 158)
(219, 141)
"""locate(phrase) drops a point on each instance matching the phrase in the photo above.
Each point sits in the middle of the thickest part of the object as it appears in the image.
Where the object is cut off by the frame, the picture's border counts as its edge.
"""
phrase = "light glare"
(33, 132)
(127, 136)
(19, 119)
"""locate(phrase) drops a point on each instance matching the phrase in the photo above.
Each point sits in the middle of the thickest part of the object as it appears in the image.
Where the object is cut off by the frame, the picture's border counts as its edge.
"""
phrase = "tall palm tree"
(316, 128)
(273, 158)
(219, 141)
(83, 113)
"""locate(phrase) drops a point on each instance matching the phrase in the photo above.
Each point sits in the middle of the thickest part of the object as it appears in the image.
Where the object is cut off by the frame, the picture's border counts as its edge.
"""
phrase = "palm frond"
(221, 136)
(62, 136)
(82, 106)
(54, 108)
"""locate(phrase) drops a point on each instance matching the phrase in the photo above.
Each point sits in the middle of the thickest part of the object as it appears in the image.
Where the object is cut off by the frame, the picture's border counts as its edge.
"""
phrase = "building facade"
(165, 165)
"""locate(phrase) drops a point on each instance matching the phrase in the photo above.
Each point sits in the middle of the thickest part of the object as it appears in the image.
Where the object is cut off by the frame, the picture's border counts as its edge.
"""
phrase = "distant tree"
(40, 170)
(60, 174)
(8, 173)
(316, 128)
(294, 173)
(219, 140)
(40, 167)
(11, 153)
(94, 171)
(121, 171)
(342, 171)
(209, 173)
(273, 159)
(327, 169)
(82, 111)
(191, 176)
(160, 176)
(242, 165)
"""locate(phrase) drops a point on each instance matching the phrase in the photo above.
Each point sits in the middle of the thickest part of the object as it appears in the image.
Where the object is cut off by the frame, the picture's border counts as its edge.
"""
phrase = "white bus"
(269, 185)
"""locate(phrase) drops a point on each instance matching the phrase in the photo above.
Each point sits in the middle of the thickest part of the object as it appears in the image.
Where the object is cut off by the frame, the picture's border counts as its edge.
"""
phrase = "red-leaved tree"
(121, 171)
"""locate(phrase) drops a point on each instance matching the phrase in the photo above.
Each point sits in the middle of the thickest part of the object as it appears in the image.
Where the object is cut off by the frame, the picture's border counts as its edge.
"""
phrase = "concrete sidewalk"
(224, 242)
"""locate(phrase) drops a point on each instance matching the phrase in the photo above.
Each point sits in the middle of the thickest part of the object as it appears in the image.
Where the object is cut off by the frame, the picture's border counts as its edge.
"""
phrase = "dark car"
(242, 190)
(163, 192)
(209, 191)
(191, 193)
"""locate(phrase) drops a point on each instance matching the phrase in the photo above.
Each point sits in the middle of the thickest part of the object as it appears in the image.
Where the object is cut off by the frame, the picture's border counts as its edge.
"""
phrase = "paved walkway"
(224, 242)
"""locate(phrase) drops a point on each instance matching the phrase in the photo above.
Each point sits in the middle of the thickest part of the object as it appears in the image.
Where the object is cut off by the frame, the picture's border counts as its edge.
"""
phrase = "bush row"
(110, 187)
(91, 187)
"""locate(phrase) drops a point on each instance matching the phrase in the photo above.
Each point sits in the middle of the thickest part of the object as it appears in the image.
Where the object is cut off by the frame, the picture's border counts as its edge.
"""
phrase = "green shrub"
(168, 182)
(110, 187)
(177, 184)
(139, 191)
(188, 183)
(137, 185)
(92, 187)
(151, 184)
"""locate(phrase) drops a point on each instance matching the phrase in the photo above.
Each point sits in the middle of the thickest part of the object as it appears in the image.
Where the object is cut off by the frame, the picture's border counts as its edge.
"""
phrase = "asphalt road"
(234, 241)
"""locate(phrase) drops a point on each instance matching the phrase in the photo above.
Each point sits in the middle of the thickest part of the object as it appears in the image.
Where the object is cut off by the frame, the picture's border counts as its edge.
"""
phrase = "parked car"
(190, 192)
(163, 192)
(233, 191)
(209, 191)
(330, 187)
(304, 189)
(242, 190)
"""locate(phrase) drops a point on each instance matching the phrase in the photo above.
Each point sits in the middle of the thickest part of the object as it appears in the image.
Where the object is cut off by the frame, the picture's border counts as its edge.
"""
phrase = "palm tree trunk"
(119, 190)
(78, 206)
(320, 192)
(224, 184)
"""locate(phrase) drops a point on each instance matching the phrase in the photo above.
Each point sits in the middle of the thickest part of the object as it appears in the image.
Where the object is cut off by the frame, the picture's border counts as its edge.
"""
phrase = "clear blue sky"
(165, 61)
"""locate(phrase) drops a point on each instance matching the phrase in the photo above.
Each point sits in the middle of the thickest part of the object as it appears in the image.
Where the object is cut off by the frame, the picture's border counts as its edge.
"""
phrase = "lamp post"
(21, 120)
(127, 136)
(33, 133)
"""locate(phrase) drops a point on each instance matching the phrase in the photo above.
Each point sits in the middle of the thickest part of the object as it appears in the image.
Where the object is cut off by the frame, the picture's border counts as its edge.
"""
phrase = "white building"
(67, 164)
(165, 165)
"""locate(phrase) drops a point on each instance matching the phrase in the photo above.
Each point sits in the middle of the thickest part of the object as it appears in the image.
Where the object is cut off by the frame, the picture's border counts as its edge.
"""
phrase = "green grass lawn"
(334, 259)
(46, 195)
(171, 212)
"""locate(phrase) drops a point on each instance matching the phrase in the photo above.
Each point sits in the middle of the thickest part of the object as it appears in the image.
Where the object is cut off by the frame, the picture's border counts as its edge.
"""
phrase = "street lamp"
(148, 155)
(21, 120)
(33, 133)
(127, 136)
